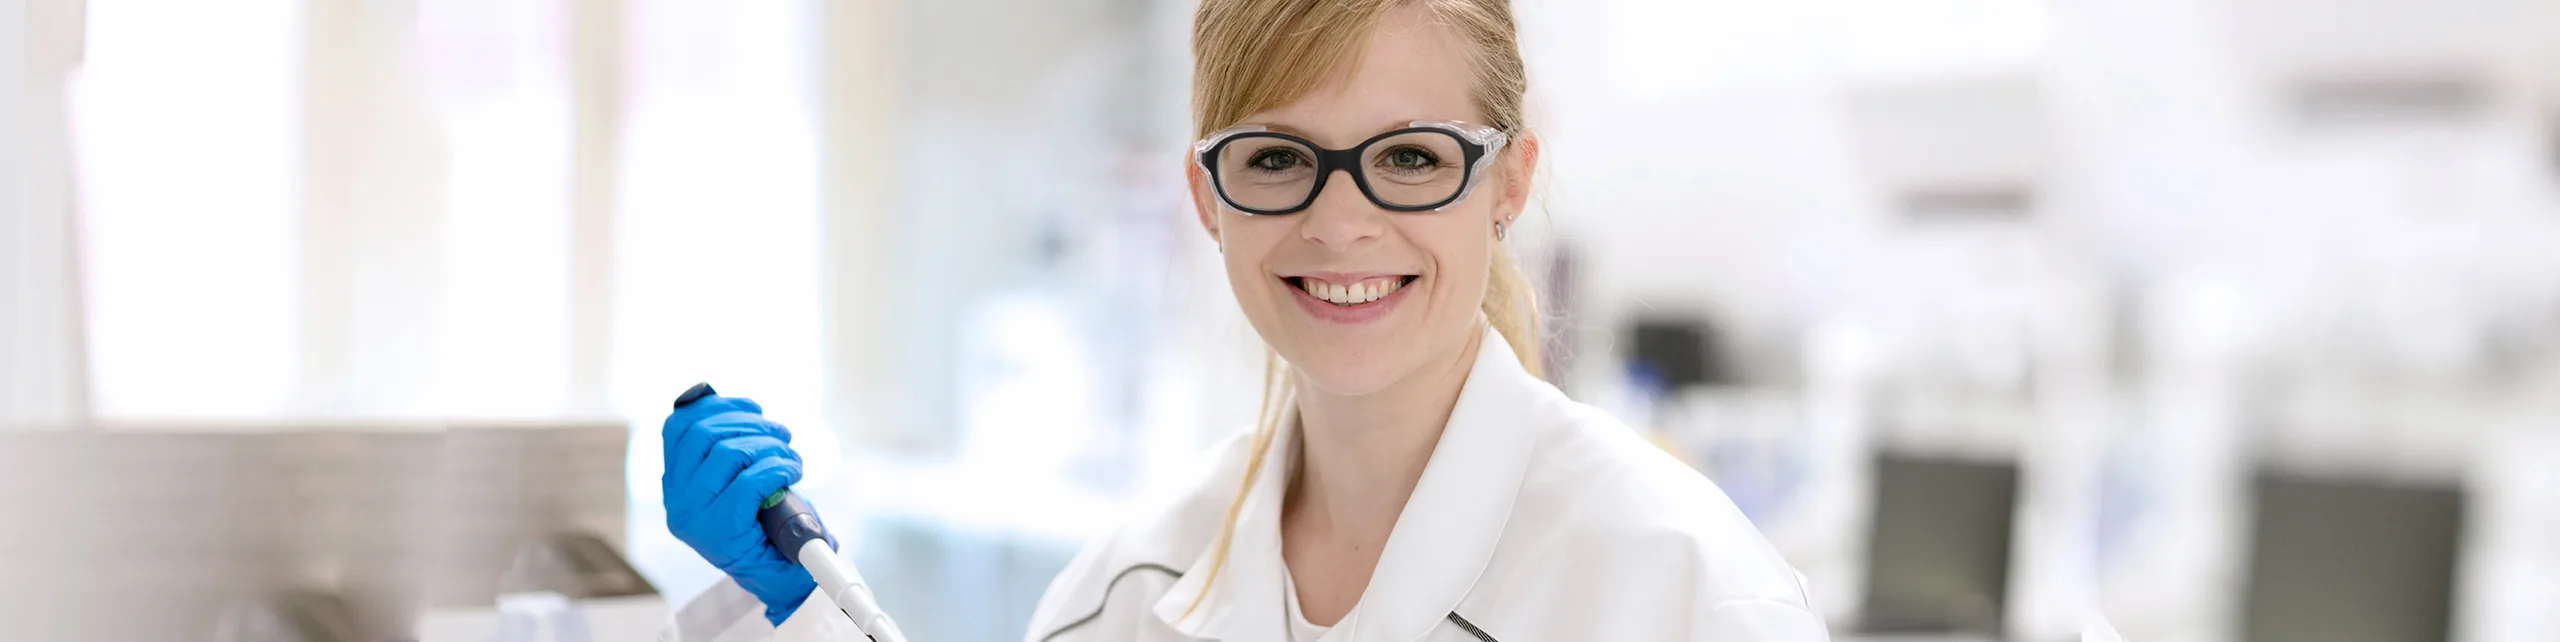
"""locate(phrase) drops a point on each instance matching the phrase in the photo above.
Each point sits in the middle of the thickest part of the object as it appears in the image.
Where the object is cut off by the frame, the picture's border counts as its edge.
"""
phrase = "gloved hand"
(723, 458)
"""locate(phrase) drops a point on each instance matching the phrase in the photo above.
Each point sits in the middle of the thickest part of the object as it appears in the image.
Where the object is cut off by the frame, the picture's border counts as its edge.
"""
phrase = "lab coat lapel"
(1245, 602)
(1446, 534)
(1441, 542)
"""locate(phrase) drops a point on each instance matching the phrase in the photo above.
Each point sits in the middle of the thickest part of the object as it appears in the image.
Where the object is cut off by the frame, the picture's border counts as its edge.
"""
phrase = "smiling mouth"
(1351, 294)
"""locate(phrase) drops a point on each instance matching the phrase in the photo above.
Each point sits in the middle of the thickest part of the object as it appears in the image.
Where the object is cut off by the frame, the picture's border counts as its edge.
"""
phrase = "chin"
(1348, 372)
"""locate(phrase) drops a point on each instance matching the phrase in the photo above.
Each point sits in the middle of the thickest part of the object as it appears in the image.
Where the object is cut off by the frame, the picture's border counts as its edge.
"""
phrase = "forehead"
(1414, 68)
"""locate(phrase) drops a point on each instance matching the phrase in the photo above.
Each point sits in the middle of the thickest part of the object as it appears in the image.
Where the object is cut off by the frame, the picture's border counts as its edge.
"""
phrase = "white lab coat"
(1537, 519)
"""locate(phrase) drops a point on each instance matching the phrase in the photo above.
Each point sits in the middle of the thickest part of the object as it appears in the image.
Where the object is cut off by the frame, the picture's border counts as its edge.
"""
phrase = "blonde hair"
(1253, 55)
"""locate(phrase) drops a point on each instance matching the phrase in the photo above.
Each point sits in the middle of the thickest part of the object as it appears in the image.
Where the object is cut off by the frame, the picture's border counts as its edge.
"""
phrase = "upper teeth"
(1353, 294)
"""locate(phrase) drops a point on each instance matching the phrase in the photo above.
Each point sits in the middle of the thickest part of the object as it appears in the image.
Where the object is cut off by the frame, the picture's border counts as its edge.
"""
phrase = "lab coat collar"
(1442, 540)
(1246, 596)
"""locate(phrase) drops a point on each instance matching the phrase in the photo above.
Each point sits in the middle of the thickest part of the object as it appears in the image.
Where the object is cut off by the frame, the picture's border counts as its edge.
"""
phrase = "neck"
(1361, 455)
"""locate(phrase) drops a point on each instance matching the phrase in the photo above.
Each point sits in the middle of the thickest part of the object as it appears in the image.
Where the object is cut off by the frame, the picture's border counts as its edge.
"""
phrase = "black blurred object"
(2340, 560)
(695, 393)
(1938, 554)
(1683, 352)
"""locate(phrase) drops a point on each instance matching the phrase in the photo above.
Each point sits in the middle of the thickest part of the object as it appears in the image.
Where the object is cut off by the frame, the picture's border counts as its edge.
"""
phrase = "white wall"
(44, 377)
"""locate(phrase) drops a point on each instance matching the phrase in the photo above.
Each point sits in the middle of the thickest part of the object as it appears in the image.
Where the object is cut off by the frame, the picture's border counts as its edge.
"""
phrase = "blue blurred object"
(723, 459)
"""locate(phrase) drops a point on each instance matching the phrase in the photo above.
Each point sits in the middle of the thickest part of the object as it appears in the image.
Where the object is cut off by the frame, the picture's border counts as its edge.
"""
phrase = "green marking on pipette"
(775, 498)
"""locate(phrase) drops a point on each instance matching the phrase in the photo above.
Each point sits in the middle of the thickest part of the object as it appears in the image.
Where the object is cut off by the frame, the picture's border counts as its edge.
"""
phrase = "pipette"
(792, 526)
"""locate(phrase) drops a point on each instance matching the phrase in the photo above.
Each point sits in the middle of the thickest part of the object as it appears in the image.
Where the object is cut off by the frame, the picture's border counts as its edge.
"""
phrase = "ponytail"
(1511, 304)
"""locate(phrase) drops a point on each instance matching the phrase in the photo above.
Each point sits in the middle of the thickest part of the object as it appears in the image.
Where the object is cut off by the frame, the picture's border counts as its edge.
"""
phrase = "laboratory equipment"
(1939, 557)
(2348, 559)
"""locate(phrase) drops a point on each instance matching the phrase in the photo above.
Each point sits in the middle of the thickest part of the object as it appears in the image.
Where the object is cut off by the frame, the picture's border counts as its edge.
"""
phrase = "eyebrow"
(1284, 128)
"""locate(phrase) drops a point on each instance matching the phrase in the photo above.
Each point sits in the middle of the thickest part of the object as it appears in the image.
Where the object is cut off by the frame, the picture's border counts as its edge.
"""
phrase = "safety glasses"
(1426, 165)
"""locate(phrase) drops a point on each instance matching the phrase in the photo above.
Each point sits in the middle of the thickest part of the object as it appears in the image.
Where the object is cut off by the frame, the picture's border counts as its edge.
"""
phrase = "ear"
(1202, 202)
(1518, 173)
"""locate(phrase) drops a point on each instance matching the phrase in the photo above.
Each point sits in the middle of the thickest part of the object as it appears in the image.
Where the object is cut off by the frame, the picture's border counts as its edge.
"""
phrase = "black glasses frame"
(1329, 161)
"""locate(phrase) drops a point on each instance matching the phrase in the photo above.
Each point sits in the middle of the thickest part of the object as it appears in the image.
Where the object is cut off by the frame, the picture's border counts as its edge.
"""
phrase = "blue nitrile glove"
(723, 458)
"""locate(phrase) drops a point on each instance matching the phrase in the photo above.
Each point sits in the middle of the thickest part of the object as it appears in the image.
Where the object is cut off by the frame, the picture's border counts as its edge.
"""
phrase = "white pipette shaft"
(841, 583)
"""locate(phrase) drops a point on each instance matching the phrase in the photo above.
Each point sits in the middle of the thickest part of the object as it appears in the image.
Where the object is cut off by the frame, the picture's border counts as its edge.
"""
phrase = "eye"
(1277, 160)
(1408, 159)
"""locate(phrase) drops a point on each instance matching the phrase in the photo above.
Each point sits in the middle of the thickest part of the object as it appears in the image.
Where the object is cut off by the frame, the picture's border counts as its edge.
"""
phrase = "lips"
(1355, 292)
(1349, 298)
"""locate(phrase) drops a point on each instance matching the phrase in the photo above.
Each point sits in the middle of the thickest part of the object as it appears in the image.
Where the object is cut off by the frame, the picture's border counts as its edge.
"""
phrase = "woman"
(1360, 165)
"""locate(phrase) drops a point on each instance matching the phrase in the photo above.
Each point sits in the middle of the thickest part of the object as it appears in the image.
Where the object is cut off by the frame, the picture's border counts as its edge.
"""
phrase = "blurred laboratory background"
(2204, 320)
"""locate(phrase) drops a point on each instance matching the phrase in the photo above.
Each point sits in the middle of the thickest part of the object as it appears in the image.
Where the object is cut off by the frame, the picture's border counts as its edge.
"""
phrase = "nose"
(1341, 218)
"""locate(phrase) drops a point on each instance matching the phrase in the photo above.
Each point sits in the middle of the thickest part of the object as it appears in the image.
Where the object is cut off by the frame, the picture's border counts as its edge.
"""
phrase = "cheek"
(1246, 249)
(1460, 260)
(1462, 284)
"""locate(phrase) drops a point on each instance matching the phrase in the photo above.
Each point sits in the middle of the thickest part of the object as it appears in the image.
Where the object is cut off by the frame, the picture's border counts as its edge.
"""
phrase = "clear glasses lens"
(1266, 173)
(1412, 169)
